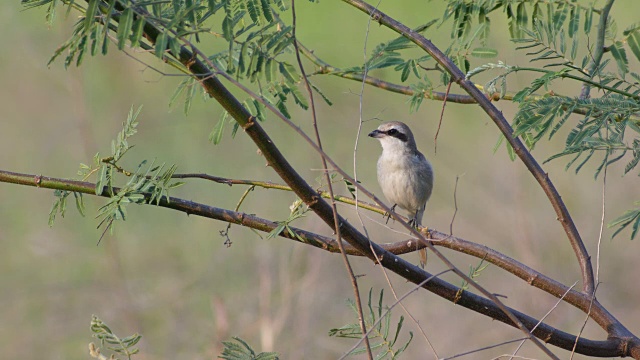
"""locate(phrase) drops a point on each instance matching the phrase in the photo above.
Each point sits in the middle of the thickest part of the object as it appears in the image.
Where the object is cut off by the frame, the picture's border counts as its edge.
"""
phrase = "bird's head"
(394, 136)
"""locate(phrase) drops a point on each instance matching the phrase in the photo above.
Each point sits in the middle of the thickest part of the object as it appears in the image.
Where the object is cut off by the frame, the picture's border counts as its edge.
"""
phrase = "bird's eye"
(392, 132)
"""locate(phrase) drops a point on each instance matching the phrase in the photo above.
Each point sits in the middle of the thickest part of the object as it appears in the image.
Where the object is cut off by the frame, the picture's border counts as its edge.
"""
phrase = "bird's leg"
(388, 215)
(413, 222)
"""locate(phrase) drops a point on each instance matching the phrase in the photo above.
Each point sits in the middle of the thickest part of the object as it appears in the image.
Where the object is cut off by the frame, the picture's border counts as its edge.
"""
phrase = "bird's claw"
(388, 214)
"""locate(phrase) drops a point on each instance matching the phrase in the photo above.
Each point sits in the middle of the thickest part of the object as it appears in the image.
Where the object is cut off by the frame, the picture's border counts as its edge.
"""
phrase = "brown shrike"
(404, 174)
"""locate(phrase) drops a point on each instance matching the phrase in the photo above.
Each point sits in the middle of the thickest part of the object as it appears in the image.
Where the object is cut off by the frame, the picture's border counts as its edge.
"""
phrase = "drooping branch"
(521, 151)
(551, 334)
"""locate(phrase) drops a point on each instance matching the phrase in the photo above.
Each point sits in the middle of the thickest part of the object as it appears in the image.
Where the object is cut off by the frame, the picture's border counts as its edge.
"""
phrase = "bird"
(404, 173)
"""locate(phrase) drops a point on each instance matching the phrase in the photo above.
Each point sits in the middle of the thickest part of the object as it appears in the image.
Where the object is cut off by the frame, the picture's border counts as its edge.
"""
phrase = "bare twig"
(336, 220)
(483, 348)
(544, 317)
(444, 104)
(398, 301)
(455, 204)
(584, 324)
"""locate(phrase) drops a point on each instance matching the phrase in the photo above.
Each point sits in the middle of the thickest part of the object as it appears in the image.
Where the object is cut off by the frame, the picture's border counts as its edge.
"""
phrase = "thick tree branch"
(550, 334)
(543, 179)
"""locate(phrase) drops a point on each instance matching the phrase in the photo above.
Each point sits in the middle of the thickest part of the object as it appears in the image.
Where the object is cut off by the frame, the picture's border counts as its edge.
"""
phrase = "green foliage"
(148, 184)
(258, 43)
(240, 350)
(60, 205)
(109, 340)
(298, 210)
(609, 125)
(383, 336)
(631, 217)
(554, 14)
(474, 272)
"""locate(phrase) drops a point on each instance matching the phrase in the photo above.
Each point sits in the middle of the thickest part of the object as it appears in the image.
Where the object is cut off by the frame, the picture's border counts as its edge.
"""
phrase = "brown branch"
(531, 276)
(538, 173)
(552, 335)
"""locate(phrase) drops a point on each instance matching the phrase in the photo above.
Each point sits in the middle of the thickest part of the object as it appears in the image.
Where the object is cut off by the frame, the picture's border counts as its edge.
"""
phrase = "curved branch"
(469, 300)
(534, 278)
(588, 283)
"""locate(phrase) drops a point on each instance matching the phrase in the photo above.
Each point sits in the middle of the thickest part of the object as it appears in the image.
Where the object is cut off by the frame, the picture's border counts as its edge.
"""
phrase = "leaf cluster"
(298, 210)
(60, 204)
(148, 184)
(240, 350)
(121, 346)
(384, 337)
(474, 272)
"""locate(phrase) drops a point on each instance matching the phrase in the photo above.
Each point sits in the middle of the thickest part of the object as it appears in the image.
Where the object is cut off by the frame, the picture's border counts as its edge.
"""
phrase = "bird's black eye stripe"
(397, 134)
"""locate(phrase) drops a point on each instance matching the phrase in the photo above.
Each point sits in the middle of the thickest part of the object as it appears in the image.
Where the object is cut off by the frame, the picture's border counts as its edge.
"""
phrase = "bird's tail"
(422, 252)
(423, 257)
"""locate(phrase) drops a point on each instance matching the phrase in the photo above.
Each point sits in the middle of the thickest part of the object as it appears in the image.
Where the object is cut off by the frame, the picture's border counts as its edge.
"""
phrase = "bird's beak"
(376, 134)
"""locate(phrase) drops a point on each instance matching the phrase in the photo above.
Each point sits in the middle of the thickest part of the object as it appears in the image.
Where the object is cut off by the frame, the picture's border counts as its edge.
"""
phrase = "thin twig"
(398, 301)
(444, 104)
(584, 324)
(515, 352)
(483, 348)
(455, 204)
(336, 220)
(599, 47)
(225, 233)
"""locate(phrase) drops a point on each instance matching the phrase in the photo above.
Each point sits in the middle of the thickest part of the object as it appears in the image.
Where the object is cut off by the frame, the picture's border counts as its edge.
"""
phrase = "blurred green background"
(169, 276)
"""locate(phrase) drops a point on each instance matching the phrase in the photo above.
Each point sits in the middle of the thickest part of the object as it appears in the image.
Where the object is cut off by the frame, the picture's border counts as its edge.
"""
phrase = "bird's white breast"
(406, 178)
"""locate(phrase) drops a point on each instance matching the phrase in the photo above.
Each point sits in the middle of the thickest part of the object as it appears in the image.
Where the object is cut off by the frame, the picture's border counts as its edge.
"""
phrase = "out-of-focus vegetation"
(170, 276)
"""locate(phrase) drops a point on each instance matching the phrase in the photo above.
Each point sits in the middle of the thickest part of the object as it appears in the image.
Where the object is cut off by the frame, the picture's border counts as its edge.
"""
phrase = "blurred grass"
(169, 276)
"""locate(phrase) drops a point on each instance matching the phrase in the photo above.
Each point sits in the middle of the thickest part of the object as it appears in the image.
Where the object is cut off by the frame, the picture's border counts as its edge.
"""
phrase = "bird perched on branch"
(404, 174)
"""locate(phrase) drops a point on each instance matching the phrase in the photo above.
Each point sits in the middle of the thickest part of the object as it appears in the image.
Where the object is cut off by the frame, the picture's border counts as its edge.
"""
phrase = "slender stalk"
(327, 177)
(596, 56)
